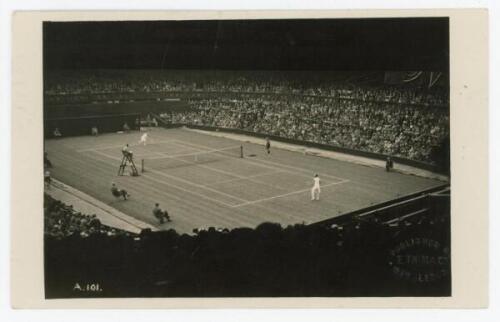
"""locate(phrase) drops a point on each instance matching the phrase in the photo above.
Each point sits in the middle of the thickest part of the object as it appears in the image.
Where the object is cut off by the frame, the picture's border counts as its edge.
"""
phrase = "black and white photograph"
(247, 158)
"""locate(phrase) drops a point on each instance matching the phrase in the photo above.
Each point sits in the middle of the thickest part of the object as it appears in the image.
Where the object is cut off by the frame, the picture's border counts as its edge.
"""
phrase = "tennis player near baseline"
(144, 138)
(316, 189)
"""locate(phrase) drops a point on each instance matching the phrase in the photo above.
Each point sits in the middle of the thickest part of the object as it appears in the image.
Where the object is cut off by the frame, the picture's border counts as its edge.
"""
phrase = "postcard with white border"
(208, 159)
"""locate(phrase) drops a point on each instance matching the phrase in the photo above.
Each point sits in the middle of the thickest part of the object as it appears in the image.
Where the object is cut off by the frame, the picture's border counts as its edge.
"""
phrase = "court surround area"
(204, 182)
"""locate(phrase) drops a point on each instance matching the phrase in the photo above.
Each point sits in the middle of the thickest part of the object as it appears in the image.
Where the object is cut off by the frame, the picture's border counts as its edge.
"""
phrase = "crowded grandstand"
(406, 121)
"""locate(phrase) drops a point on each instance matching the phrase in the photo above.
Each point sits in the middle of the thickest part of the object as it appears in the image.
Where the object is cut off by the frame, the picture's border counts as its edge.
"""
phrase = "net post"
(142, 165)
(241, 151)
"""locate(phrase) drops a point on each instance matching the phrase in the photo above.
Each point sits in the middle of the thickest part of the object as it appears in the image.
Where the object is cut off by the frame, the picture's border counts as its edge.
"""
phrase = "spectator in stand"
(46, 161)
(47, 179)
(62, 220)
(154, 122)
(371, 126)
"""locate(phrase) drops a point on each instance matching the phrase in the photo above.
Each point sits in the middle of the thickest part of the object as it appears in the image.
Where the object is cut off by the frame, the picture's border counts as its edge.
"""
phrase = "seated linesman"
(119, 192)
(389, 164)
(161, 215)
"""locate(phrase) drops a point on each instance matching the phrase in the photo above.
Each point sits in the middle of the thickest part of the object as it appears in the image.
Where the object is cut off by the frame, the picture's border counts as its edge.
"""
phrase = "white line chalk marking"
(105, 147)
(286, 194)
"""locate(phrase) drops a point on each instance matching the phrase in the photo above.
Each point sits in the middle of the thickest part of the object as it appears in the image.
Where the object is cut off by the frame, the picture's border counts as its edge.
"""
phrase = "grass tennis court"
(201, 186)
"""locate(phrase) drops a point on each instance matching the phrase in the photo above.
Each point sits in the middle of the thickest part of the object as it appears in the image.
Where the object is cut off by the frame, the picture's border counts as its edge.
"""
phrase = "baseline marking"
(286, 194)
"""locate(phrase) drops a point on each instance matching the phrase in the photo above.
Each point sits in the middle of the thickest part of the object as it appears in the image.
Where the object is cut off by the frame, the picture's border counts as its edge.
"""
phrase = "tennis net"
(198, 158)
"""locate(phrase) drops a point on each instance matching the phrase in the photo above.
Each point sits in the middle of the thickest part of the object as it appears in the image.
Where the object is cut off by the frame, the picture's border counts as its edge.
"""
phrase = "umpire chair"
(126, 160)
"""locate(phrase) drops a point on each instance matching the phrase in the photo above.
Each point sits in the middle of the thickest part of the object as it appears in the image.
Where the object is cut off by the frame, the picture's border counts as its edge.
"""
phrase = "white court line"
(182, 180)
(170, 185)
(173, 156)
(303, 170)
(105, 147)
(278, 166)
(106, 155)
(256, 163)
(244, 202)
(183, 201)
(248, 178)
(162, 155)
(174, 186)
(286, 194)
(232, 174)
(238, 178)
(155, 153)
(188, 191)
(197, 185)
